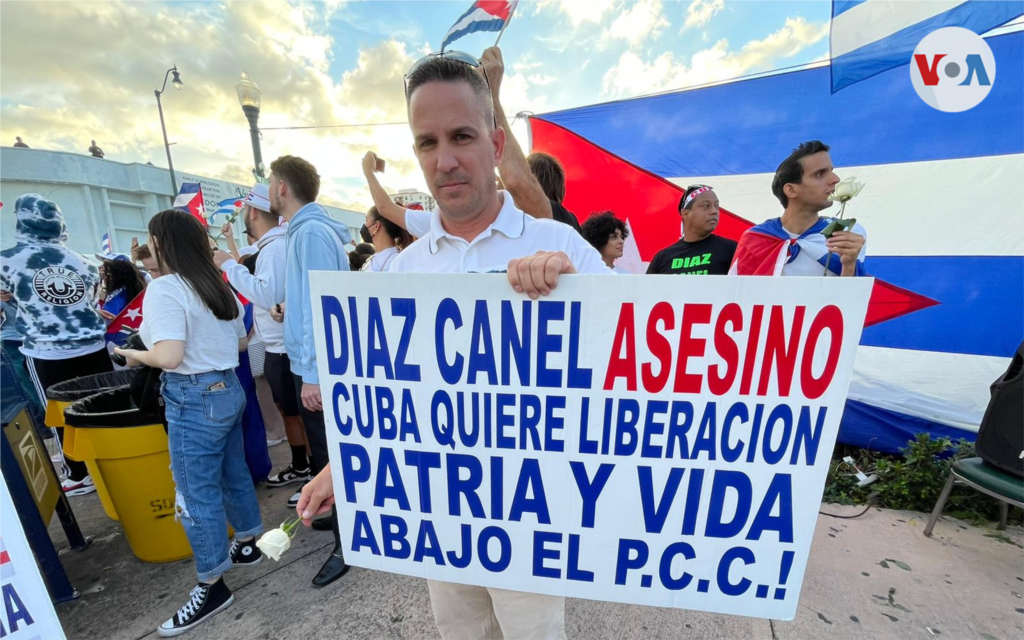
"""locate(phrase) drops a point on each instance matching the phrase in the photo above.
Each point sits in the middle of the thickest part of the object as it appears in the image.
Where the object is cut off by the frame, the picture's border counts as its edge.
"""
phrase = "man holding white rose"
(800, 242)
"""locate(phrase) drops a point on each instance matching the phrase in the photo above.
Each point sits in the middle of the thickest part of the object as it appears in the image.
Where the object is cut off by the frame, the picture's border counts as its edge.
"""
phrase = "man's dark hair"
(791, 171)
(549, 173)
(300, 176)
(599, 227)
(439, 69)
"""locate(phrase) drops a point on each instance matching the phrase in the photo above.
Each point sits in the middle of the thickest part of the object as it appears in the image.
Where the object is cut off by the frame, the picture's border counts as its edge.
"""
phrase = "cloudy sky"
(75, 71)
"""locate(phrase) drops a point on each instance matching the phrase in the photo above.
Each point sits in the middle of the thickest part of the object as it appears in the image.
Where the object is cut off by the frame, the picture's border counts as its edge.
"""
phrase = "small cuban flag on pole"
(872, 36)
(107, 247)
(190, 200)
(484, 15)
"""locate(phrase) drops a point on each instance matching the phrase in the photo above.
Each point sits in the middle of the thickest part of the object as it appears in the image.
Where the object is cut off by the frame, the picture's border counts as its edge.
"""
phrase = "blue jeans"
(208, 464)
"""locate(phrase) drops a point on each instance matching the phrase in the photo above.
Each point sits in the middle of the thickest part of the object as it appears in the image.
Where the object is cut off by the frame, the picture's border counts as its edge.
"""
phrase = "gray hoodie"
(55, 289)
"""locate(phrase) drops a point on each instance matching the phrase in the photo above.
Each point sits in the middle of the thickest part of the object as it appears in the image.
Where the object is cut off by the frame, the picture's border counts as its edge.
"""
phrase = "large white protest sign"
(27, 611)
(651, 440)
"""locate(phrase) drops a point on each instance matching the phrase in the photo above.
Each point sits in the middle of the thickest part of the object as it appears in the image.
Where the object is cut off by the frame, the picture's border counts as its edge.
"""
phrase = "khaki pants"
(464, 612)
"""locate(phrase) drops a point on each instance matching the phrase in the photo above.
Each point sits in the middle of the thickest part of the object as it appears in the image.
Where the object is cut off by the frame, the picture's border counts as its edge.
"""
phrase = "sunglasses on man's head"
(467, 59)
(457, 56)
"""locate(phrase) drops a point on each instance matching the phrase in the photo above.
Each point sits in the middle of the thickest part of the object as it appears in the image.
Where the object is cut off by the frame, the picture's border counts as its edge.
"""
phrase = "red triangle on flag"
(598, 180)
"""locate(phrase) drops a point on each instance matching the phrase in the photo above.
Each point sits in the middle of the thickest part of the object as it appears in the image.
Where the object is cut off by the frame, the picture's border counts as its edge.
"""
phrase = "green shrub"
(912, 481)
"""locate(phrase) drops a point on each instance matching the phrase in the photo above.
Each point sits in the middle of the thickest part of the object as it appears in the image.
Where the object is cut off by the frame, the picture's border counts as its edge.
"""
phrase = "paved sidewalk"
(965, 583)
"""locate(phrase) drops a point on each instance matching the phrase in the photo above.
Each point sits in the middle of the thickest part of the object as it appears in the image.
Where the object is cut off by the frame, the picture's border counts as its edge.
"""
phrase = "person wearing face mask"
(387, 238)
(699, 252)
(607, 234)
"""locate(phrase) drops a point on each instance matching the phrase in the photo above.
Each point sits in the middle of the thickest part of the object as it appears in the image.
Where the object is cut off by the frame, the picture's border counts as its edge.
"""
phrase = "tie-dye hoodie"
(54, 287)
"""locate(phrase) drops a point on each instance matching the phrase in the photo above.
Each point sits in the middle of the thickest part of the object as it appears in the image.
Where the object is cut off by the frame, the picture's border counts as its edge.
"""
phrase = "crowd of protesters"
(495, 206)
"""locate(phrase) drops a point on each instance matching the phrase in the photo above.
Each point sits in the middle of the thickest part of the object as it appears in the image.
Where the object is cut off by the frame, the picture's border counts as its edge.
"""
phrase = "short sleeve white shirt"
(514, 234)
(171, 310)
(382, 260)
(417, 222)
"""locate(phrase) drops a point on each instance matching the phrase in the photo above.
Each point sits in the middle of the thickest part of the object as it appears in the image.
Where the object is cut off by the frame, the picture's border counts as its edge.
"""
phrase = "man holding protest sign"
(476, 229)
(800, 242)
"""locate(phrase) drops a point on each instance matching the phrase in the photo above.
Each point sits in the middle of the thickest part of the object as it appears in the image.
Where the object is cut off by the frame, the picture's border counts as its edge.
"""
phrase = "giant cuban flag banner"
(942, 209)
(872, 36)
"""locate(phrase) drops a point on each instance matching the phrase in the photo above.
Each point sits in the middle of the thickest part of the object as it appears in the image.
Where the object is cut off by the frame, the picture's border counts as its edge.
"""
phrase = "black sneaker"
(205, 601)
(288, 476)
(245, 554)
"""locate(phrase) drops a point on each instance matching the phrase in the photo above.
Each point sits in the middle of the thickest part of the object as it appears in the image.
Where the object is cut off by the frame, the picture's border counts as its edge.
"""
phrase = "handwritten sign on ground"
(27, 612)
(650, 440)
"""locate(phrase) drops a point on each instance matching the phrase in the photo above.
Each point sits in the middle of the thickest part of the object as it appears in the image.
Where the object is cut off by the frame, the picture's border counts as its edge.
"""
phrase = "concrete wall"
(101, 196)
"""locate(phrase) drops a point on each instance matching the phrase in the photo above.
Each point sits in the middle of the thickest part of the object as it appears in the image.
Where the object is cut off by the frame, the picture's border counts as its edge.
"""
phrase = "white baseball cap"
(259, 197)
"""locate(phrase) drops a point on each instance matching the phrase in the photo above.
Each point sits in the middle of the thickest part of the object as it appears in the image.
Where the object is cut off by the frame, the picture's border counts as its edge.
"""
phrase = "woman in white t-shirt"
(192, 325)
(386, 237)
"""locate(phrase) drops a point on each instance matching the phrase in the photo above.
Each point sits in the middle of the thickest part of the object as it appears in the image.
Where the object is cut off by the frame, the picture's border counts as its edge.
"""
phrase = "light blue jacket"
(316, 242)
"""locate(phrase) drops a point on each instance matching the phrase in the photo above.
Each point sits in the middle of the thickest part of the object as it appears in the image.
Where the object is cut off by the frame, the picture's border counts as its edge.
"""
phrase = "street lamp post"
(249, 96)
(167, 146)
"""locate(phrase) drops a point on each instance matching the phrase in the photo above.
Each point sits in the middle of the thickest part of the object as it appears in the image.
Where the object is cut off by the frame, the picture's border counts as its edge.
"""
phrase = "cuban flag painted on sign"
(941, 209)
(484, 15)
(225, 209)
(872, 36)
(190, 200)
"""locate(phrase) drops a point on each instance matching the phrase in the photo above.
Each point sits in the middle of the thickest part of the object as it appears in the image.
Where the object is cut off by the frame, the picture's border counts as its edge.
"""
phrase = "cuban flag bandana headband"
(693, 195)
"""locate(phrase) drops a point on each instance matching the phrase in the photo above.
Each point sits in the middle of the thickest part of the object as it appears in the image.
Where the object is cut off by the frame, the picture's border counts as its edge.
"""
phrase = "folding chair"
(974, 473)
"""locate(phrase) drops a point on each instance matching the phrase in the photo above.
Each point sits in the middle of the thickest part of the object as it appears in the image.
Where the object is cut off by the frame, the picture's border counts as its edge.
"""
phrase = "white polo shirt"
(514, 234)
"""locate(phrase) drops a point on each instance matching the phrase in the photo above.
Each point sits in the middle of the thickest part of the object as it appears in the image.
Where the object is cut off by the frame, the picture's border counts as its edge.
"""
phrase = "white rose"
(847, 189)
(274, 543)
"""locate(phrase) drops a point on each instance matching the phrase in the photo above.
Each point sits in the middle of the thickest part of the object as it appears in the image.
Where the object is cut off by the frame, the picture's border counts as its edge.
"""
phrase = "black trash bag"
(72, 390)
(145, 385)
(109, 409)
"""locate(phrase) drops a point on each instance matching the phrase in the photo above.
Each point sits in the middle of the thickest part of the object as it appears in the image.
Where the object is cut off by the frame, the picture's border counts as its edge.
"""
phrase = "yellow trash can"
(60, 396)
(129, 449)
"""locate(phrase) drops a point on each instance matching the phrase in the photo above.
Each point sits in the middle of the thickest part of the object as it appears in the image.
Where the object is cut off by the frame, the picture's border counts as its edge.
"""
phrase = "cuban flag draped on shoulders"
(484, 15)
(872, 36)
(767, 248)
